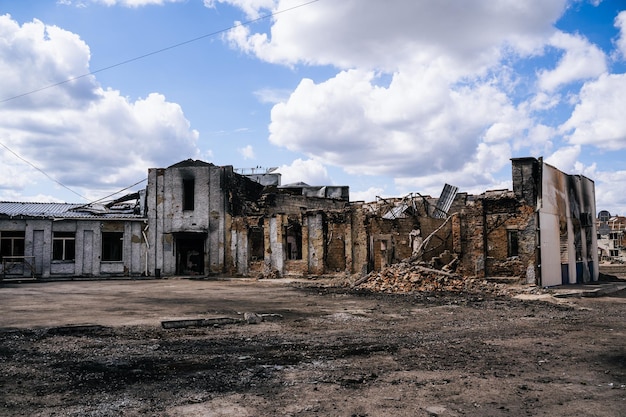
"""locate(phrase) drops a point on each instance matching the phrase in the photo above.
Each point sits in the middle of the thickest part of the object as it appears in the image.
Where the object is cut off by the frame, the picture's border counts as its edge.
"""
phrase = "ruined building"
(611, 237)
(198, 219)
(205, 219)
(543, 230)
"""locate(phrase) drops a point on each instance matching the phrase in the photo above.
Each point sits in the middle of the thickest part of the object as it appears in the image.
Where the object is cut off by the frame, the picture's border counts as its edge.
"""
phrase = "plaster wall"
(169, 221)
(38, 243)
(568, 228)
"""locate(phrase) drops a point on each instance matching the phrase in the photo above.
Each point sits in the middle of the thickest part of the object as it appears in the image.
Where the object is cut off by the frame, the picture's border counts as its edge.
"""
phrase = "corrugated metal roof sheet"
(445, 201)
(397, 212)
(59, 210)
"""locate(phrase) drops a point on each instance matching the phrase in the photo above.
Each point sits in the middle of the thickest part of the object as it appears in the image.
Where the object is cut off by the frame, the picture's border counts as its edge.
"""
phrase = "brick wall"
(336, 246)
(360, 240)
(485, 226)
(357, 239)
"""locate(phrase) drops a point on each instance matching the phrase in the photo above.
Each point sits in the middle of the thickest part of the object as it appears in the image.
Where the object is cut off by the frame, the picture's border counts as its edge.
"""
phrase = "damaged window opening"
(63, 246)
(188, 194)
(257, 243)
(294, 241)
(112, 245)
(512, 243)
(11, 244)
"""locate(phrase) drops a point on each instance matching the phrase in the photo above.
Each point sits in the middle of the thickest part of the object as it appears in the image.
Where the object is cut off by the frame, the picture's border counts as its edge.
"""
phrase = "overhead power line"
(246, 23)
(137, 58)
(50, 177)
(42, 171)
(117, 192)
(158, 51)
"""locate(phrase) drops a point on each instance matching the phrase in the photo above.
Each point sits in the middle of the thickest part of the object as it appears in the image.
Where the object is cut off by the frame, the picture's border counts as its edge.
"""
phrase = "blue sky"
(386, 97)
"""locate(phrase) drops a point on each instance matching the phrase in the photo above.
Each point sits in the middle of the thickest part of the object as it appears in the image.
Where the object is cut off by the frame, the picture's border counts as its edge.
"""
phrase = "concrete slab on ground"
(587, 290)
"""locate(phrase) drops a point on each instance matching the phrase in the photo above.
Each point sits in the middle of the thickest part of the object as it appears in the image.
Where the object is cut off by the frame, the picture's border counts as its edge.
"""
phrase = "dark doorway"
(190, 255)
(293, 237)
(256, 243)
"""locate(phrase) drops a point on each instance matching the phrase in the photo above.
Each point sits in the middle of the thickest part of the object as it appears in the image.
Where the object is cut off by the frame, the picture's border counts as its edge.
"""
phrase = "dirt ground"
(99, 348)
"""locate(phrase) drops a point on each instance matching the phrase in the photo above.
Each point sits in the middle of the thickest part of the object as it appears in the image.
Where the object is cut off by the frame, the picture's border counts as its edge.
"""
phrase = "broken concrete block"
(252, 318)
(435, 410)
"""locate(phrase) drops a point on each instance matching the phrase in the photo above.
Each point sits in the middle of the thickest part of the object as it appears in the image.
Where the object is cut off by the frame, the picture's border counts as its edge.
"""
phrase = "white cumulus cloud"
(411, 128)
(368, 195)
(252, 8)
(598, 118)
(581, 61)
(308, 171)
(422, 89)
(247, 152)
(124, 3)
(77, 132)
(564, 158)
(620, 23)
(384, 35)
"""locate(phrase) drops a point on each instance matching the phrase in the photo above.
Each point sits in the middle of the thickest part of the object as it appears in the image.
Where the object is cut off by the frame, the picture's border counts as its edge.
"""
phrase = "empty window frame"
(11, 244)
(63, 246)
(512, 243)
(188, 194)
(112, 246)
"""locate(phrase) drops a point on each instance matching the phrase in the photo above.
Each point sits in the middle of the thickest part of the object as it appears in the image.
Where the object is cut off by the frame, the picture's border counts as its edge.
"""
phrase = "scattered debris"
(73, 329)
(405, 277)
(248, 318)
(271, 317)
(252, 318)
(181, 324)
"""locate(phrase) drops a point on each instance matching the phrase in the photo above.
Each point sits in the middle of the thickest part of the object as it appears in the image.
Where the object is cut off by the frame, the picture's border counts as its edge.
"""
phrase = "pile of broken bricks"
(408, 277)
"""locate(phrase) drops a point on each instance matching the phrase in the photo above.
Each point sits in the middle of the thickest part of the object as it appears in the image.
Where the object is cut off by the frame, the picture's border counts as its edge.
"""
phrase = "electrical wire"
(42, 171)
(158, 51)
(117, 192)
(65, 186)
(137, 58)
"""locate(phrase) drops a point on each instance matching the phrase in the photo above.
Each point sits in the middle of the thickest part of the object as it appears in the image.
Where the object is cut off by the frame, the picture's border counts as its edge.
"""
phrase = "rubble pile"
(407, 277)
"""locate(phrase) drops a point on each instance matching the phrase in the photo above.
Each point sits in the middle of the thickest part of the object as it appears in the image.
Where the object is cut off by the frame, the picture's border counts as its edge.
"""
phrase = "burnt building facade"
(565, 209)
(208, 220)
(198, 219)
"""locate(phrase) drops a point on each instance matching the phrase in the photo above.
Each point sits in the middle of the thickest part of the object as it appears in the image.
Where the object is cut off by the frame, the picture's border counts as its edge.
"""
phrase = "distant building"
(611, 237)
(198, 219)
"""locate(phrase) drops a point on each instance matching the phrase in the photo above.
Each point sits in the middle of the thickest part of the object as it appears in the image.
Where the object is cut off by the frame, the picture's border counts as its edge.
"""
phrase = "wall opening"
(293, 236)
(256, 243)
(336, 253)
(11, 244)
(512, 238)
(63, 246)
(190, 255)
(112, 246)
(189, 194)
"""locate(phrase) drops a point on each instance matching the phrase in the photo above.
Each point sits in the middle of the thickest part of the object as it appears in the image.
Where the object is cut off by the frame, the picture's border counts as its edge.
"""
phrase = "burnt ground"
(98, 349)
